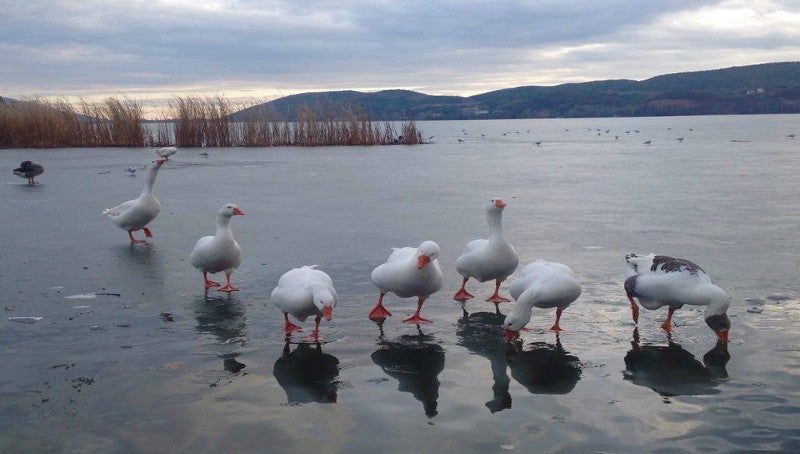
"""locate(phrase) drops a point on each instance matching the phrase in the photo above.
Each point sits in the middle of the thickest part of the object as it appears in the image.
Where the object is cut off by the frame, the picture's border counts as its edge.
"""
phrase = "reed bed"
(195, 122)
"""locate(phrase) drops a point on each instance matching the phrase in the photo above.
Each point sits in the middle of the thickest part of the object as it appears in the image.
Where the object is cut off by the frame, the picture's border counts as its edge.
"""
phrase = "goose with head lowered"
(304, 292)
(409, 271)
(544, 285)
(490, 258)
(220, 252)
(29, 170)
(661, 280)
(136, 214)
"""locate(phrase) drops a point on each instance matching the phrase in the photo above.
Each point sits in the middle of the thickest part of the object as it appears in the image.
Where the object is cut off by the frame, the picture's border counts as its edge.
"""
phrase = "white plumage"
(487, 259)
(166, 152)
(544, 285)
(135, 214)
(408, 272)
(304, 292)
(660, 280)
(220, 252)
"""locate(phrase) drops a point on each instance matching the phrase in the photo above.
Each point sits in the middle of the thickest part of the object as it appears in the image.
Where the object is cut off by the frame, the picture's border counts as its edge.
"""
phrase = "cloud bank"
(240, 48)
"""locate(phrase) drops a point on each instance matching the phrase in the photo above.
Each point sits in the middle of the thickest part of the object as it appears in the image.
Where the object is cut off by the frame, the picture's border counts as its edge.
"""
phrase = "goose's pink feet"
(462, 294)
(290, 327)
(228, 287)
(416, 318)
(209, 283)
(555, 326)
(134, 240)
(379, 312)
(496, 298)
(667, 325)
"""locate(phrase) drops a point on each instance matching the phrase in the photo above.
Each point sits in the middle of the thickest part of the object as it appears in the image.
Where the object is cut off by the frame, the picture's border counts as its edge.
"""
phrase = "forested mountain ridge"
(754, 89)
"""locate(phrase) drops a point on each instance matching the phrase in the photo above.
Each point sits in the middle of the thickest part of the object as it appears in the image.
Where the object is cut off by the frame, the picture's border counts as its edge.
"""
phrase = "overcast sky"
(152, 50)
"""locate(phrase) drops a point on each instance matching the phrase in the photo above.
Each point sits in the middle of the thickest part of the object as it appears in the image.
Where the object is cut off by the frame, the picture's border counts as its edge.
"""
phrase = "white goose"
(660, 280)
(221, 252)
(135, 214)
(544, 285)
(485, 259)
(166, 152)
(408, 272)
(303, 292)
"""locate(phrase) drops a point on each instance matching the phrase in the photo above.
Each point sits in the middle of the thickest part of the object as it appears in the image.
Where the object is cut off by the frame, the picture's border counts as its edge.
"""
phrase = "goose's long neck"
(495, 219)
(224, 226)
(523, 309)
(150, 182)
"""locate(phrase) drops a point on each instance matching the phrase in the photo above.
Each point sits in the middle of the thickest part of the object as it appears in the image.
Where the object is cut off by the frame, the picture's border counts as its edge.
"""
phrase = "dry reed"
(196, 122)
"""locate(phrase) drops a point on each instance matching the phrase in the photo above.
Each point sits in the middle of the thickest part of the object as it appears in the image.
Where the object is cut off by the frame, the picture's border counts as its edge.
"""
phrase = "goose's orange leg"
(228, 287)
(416, 318)
(496, 298)
(379, 312)
(462, 294)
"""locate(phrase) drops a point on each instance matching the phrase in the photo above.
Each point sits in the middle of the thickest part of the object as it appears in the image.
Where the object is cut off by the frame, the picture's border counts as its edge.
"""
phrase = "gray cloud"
(94, 47)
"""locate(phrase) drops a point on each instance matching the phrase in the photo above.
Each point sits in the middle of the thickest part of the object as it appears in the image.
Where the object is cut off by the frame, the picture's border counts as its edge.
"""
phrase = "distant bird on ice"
(29, 170)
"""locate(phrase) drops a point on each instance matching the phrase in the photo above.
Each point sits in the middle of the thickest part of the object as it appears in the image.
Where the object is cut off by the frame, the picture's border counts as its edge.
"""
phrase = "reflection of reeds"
(197, 122)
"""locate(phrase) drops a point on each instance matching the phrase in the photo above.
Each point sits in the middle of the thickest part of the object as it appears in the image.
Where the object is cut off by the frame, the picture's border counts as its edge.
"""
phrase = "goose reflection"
(307, 374)
(415, 361)
(672, 371)
(545, 368)
(482, 334)
(226, 321)
(222, 318)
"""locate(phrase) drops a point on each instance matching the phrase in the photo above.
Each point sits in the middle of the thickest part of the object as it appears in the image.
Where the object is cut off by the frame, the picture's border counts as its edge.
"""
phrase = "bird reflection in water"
(481, 333)
(672, 371)
(307, 374)
(542, 368)
(226, 321)
(415, 361)
(545, 368)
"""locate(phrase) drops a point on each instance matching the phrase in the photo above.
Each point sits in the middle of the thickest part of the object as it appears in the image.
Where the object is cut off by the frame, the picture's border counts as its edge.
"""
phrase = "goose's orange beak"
(511, 334)
(236, 210)
(327, 312)
(160, 161)
(499, 203)
(423, 260)
(723, 336)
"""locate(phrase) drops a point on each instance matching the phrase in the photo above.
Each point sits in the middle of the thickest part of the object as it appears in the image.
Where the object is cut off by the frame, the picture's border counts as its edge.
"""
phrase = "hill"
(754, 89)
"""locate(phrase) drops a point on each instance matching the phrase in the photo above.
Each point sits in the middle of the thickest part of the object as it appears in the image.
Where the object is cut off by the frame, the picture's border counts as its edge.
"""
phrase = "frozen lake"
(131, 356)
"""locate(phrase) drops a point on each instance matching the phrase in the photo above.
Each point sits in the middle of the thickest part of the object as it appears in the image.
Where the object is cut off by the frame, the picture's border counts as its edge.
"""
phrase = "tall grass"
(47, 124)
(195, 122)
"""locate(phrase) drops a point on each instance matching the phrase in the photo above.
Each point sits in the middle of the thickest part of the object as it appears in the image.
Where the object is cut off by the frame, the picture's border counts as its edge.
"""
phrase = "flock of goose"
(654, 280)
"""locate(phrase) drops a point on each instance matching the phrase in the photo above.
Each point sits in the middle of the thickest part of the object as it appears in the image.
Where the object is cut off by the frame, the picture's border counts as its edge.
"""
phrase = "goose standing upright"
(544, 285)
(221, 252)
(660, 280)
(303, 292)
(29, 170)
(485, 259)
(408, 272)
(135, 214)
